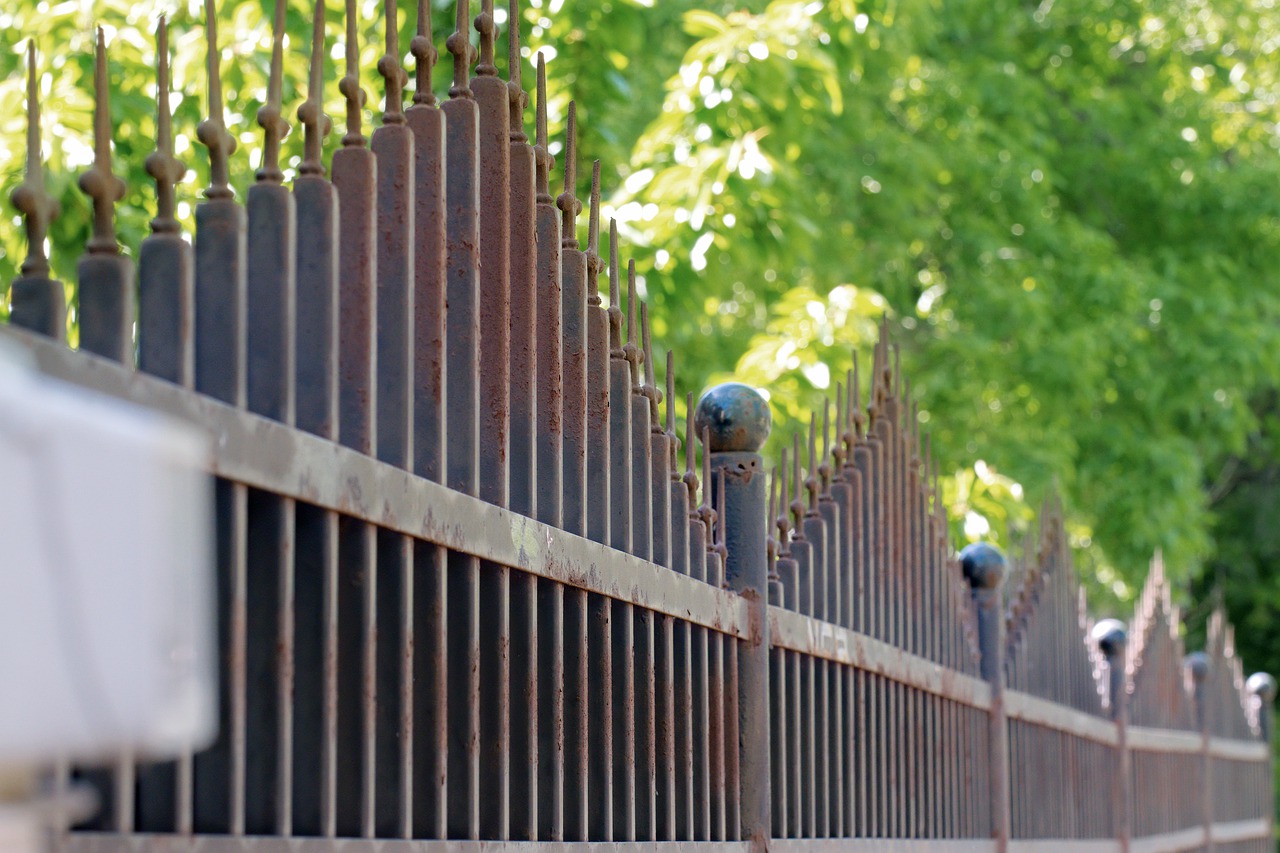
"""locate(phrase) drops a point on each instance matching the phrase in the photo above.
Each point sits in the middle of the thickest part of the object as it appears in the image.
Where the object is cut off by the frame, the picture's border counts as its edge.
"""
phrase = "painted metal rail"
(471, 600)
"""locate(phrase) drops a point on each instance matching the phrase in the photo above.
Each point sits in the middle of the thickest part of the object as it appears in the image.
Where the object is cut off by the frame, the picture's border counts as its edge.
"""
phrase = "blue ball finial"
(983, 565)
(737, 417)
(1197, 663)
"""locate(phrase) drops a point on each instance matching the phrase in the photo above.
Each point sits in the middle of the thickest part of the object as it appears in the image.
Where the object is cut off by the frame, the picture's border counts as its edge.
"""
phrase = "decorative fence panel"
(468, 597)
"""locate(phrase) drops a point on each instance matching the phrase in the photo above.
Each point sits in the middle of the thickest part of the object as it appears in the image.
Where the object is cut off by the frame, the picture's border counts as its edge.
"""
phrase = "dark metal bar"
(36, 301)
(106, 309)
(428, 783)
(599, 408)
(574, 355)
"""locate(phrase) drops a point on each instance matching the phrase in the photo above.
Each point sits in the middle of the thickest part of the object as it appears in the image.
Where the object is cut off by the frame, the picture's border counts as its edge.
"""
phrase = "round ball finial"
(1262, 685)
(983, 565)
(737, 417)
(1111, 635)
(1197, 663)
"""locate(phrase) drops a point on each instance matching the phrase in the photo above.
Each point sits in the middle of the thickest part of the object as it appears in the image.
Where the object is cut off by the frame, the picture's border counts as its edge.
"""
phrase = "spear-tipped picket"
(616, 348)
(349, 85)
(37, 207)
(161, 164)
(632, 352)
(650, 387)
(515, 89)
(771, 541)
(488, 31)
(543, 161)
(781, 520)
(593, 240)
(797, 504)
(315, 124)
(705, 510)
(212, 132)
(858, 413)
(690, 451)
(672, 441)
(463, 53)
(824, 467)
(721, 521)
(270, 116)
(389, 67)
(811, 483)
(843, 439)
(98, 182)
(425, 57)
(567, 201)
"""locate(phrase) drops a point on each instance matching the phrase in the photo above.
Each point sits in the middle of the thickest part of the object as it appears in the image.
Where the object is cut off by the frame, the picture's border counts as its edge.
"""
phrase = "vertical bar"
(984, 568)
(574, 354)
(36, 301)
(599, 410)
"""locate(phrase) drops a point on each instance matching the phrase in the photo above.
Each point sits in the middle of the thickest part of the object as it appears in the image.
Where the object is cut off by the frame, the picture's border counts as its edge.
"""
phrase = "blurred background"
(1068, 212)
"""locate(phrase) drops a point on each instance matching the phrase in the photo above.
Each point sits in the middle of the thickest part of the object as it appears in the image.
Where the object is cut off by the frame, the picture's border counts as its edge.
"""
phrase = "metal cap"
(983, 565)
(1262, 685)
(736, 416)
(1111, 635)
(1197, 663)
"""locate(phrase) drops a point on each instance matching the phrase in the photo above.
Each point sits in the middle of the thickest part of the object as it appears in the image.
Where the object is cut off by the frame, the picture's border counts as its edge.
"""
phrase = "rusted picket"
(465, 592)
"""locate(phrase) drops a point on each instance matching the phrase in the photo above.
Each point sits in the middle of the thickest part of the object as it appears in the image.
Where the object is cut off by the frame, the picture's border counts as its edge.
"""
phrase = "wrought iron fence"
(467, 593)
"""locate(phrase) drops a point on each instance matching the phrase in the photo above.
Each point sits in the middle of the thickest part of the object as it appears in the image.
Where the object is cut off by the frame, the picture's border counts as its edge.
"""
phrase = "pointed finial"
(424, 56)
(797, 505)
(840, 449)
(543, 161)
(212, 132)
(855, 401)
(518, 99)
(161, 164)
(316, 125)
(593, 238)
(771, 541)
(389, 67)
(37, 207)
(567, 201)
(782, 521)
(650, 379)
(488, 36)
(631, 351)
(824, 466)
(615, 296)
(811, 484)
(349, 85)
(672, 440)
(463, 53)
(705, 510)
(98, 183)
(690, 450)
(721, 520)
(270, 117)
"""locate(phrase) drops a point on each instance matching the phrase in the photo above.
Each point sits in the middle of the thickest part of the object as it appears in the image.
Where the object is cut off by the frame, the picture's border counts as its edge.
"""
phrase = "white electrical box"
(107, 635)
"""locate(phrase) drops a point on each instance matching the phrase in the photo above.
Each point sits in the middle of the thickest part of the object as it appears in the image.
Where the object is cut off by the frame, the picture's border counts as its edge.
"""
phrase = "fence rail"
(469, 599)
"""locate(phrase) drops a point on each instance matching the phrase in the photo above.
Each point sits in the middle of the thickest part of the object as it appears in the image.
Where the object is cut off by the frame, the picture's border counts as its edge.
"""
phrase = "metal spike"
(811, 481)
(593, 237)
(771, 541)
(631, 351)
(37, 207)
(212, 132)
(797, 505)
(315, 124)
(270, 117)
(463, 53)
(425, 56)
(349, 85)
(98, 182)
(721, 520)
(518, 99)
(690, 449)
(824, 468)
(705, 511)
(389, 67)
(673, 442)
(841, 448)
(543, 161)
(782, 521)
(567, 201)
(650, 378)
(616, 349)
(488, 37)
(161, 164)
(855, 400)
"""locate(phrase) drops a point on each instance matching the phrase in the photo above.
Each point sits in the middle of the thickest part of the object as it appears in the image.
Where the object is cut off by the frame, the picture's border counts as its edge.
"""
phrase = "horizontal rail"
(799, 633)
(90, 842)
(1143, 739)
(268, 455)
(1239, 750)
(1042, 712)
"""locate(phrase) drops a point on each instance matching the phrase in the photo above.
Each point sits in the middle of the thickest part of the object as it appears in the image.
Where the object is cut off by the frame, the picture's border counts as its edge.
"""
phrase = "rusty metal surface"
(464, 591)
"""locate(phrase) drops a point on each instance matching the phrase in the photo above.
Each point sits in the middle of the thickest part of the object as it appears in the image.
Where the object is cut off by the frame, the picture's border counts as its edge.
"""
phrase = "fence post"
(1262, 687)
(1198, 664)
(1112, 636)
(984, 568)
(738, 420)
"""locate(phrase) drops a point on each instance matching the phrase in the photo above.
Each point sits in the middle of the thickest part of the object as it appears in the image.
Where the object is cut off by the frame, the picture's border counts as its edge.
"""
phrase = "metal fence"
(469, 598)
